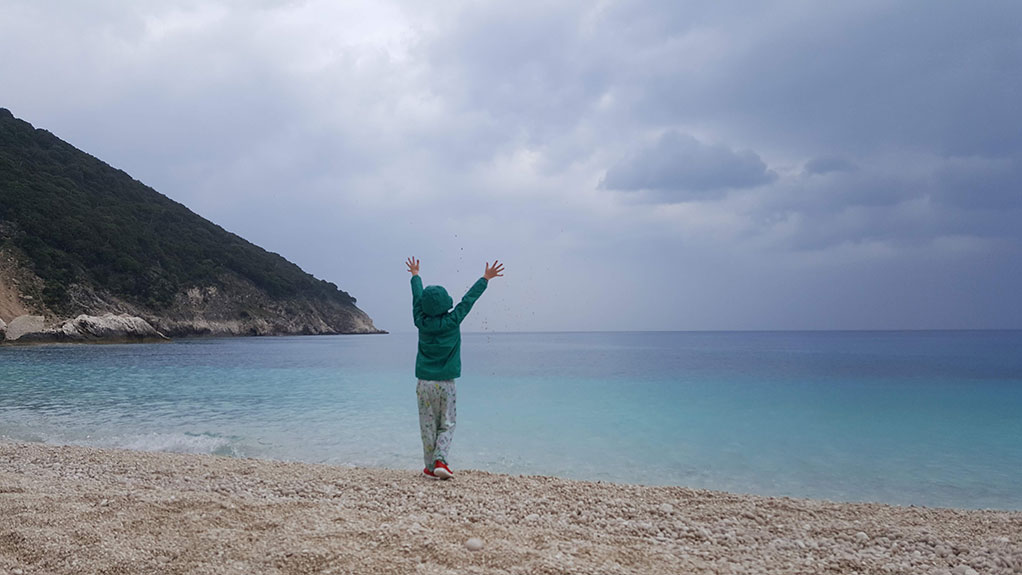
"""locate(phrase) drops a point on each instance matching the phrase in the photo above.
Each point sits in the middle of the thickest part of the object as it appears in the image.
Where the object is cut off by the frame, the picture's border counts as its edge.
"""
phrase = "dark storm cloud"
(853, 76)
(920, 82)
(963, 200)
(923, 97)
(685, 168)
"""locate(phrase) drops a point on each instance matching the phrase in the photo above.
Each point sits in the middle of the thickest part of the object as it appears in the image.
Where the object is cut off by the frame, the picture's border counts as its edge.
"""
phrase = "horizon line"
(752, 330)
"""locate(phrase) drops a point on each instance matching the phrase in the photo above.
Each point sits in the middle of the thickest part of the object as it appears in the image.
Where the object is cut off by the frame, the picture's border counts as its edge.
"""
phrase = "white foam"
(203, 443)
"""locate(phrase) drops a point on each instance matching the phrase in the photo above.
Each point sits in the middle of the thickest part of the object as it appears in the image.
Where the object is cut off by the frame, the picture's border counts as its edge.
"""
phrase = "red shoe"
(441, 470)
(428, 472)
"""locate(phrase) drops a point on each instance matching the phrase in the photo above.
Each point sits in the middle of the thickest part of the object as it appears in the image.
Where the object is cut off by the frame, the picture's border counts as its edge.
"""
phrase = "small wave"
(196, 443)
(24, 425)
(199, 443)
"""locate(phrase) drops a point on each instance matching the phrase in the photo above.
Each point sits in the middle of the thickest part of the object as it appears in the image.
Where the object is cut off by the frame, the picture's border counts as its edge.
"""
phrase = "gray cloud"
(828, 164)
(971, 200)
(887, 145)
(984, 183)
(854, 77)
(687, 169)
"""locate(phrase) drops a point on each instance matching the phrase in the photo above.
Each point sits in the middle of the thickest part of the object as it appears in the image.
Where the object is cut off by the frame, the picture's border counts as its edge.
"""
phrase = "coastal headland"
(83, 510)
(89, 254)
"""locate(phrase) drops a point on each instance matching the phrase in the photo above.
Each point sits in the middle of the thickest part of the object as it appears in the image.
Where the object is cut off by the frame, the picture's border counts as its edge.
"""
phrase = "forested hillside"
(79, 223)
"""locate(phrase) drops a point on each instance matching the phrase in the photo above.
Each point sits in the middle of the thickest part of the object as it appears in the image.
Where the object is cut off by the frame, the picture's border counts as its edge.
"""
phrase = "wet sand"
(83, 510)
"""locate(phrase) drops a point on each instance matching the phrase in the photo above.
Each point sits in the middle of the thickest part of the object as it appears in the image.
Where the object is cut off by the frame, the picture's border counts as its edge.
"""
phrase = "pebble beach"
(83, 510)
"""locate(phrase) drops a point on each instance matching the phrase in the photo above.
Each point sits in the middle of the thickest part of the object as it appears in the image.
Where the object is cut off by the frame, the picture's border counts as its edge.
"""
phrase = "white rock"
(24, 324)
(107, 326)
(474, 544)
(82, 328)
(532, 517)
(861, 537)
(667, 508)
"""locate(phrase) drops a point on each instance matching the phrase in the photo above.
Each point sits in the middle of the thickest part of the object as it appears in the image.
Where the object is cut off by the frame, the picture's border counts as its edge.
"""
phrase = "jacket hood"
(436, 301)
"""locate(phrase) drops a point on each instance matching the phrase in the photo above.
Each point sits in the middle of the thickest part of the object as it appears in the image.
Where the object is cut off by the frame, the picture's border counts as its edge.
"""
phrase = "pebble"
(388, 515)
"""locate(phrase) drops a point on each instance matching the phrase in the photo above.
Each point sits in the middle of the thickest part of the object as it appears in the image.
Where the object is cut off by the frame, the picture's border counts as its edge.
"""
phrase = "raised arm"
(413, 267)
(461, 310)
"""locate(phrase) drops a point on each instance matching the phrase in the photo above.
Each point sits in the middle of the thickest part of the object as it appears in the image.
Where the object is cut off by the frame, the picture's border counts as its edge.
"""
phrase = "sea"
(926, 418)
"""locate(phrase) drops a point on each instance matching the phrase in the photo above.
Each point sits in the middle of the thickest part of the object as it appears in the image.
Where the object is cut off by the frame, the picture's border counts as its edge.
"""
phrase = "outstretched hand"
(413, 266)
(497, 271)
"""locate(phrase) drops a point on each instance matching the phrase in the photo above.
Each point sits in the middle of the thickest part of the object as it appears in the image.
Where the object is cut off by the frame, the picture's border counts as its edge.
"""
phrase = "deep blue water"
(924, 418)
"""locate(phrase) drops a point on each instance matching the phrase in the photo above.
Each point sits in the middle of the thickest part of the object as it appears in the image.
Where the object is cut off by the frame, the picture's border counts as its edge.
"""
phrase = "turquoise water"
(924, 418)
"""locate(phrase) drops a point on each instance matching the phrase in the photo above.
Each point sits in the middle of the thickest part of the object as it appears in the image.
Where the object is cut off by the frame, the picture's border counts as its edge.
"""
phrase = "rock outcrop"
(84, 328)
(109, 327)
(24, 325)
(20, 289)
(238, 308)
(235, 307)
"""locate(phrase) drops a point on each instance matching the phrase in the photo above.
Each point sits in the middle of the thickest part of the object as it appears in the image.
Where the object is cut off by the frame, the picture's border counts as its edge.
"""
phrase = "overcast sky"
(640, 165)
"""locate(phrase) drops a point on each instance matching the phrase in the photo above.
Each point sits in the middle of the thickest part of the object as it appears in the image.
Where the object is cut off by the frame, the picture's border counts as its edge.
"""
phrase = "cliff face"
(80, 237)
(18, 289)
(234, 306)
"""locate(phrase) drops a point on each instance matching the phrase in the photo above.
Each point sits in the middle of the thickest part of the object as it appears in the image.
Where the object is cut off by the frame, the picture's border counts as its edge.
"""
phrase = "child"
(438, 362)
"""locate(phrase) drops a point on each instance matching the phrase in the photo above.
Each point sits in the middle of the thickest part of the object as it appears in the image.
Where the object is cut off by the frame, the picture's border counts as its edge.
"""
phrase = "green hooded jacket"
(439, 356)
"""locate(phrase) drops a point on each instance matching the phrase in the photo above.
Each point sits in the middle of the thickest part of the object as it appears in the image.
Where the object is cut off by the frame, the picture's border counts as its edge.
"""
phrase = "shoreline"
(49, 341)
(67, 509)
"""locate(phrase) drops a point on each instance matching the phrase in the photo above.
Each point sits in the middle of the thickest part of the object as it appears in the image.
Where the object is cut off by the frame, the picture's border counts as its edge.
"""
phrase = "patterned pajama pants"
(437, 412)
